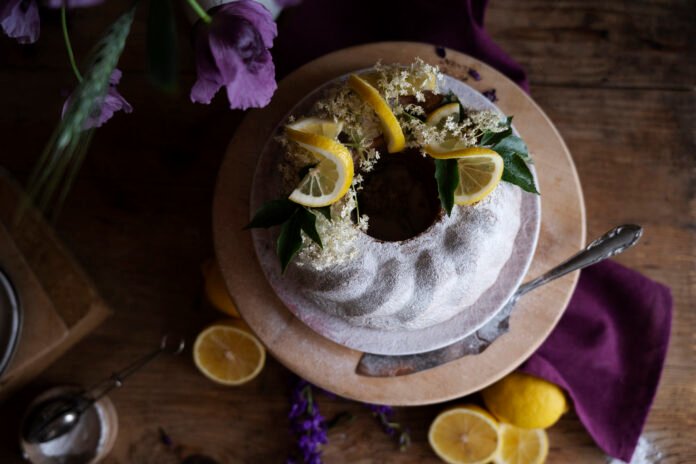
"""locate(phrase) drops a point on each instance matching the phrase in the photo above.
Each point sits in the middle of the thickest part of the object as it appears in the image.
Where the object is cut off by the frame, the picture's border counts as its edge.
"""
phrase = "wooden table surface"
(617, 78)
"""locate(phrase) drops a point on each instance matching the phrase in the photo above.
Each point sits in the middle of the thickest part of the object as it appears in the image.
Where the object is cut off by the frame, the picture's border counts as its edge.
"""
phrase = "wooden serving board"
(332, 366)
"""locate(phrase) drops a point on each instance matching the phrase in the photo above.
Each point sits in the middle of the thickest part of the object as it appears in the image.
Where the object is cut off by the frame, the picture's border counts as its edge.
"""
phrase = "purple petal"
(253, 12)
(71, 3)
(232, 52)
(20, 20)
(287, 3)
(491, 95)
(112, 102)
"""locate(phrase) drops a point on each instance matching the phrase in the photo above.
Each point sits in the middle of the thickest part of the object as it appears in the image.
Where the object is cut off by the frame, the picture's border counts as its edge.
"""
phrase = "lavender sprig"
(393, 429)
(307, 424)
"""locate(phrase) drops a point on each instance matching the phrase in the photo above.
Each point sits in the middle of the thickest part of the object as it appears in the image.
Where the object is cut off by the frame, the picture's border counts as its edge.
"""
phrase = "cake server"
(610, 244)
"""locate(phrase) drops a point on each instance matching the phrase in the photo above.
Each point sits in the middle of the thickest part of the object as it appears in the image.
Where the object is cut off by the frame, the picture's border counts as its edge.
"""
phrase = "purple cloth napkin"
(608, 349)
(607, 352)
(317, 27)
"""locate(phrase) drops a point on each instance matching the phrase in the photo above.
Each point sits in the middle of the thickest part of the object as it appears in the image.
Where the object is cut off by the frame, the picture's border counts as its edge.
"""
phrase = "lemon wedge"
(325, 127)
(330, 179)
(390, 125)
(464, 435)
(522, 446)
(228, 354)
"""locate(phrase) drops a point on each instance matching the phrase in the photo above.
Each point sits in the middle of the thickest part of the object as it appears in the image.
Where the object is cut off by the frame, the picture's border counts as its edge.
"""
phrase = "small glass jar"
(88, 442)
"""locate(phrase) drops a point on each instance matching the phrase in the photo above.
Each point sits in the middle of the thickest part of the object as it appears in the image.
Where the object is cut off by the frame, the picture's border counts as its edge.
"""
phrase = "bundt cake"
(386, 187)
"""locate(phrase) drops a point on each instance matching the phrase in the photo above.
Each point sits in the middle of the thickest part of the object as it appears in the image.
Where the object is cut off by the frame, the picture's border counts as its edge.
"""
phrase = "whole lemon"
(215, 289)
(525, 401)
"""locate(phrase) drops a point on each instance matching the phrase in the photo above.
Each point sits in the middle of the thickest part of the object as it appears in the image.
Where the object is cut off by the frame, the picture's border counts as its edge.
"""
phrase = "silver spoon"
(54, 417)
(610, 244)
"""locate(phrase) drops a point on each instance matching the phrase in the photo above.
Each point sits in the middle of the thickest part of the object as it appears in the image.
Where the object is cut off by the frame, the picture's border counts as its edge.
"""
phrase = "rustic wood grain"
(139, 221)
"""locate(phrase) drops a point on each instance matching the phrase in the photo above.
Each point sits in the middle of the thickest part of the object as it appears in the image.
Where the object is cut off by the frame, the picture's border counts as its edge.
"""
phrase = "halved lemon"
(464, 435)
(390, 125)
(522, 446)
(228, 354)
(325, 127)
(330, 179)
(215, 289)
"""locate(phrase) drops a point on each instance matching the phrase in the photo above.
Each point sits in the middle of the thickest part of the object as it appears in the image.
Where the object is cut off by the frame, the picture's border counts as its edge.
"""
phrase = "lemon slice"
(437, 119)
(480, 171)
(228, 355)
(390, 125)
(325, 127)
(329, 180)
(522, 446)
(440, 115)
(464, 435)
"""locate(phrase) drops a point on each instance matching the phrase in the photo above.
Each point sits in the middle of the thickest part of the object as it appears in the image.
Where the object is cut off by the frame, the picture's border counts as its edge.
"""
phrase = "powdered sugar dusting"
(422, 281)
(645, 453)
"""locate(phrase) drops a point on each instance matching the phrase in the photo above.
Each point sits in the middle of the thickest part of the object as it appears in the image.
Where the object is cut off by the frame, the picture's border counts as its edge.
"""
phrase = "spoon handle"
(612, 243)
(173, 346)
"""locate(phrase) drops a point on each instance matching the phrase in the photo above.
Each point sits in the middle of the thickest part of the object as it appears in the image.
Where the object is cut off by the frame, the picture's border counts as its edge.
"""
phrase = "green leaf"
(447, 177)
(309, 225)
(324, 211)
(488, 139)
(272, 213)
(517, 172)
(162, 56)
(511, 145)
(289, 241)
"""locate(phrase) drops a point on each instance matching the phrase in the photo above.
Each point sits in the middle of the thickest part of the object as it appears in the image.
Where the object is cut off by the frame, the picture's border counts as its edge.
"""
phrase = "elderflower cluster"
(398, 81)
(338, 236)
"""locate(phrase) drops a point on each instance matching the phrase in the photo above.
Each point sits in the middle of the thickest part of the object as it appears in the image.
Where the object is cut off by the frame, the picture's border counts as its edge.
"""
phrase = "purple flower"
(71, 3)
(232, 52)
(297, 408)
(20, 20)
(381, 409)
(314, 423)
(490, 94)
(112, 102)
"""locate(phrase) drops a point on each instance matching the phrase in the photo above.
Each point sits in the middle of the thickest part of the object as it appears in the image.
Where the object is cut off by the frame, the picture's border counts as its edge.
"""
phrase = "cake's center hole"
(400, 196)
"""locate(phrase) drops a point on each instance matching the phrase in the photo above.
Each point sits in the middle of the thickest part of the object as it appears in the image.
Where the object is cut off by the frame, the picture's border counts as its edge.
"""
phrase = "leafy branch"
(293, 219)
(511, 149)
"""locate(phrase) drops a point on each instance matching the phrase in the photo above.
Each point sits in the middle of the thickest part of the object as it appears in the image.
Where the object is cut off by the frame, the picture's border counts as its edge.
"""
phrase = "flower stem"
(68, 46)
(200, 11)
